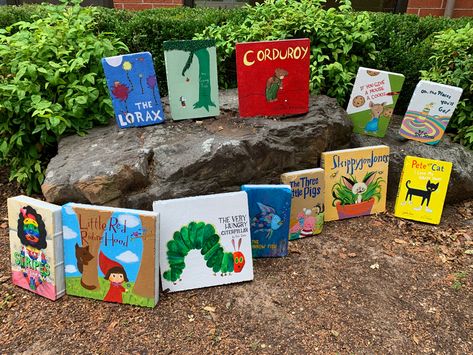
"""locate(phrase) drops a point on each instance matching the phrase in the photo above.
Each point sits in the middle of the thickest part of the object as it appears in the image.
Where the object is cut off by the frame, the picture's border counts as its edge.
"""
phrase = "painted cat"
(425, 194)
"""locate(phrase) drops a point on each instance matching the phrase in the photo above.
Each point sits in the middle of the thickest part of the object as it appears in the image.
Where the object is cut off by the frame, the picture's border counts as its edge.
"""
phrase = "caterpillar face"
(238, 261)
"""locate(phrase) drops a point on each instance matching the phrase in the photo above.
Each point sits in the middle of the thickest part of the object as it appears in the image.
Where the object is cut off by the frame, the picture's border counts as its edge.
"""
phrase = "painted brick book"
(373, 99)
(273, 77)
(355, 181)
(429, 111)
(133, 88)
(422, 189)
(37, 260)
(111, 254)
(191, 71)
(205, 241)
(307, 203)
(270, 210)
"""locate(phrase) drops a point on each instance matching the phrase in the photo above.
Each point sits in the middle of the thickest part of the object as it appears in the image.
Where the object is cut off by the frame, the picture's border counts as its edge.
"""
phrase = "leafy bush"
(51, 84)
(147, 30)
(13, 14)
(339, 37)
(452, 63)
(404, 43)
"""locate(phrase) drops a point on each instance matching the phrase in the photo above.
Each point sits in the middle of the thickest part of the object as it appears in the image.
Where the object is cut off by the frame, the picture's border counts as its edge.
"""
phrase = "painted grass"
(74, 288)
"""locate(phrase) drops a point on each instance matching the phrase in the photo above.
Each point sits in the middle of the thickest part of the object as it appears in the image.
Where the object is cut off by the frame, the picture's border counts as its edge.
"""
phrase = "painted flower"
(127, 66)
(120, 91)
(151, 81)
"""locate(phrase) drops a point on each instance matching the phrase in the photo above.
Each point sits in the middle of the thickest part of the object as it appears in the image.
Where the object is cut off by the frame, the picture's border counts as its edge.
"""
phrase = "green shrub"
(147, 30)
(139, 30)
(51, 84)
(451, 63)
(404, 45)
(13, 14)
(339, 39)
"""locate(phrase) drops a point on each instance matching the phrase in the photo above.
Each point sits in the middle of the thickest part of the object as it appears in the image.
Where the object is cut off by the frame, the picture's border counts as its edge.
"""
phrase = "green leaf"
(38, 128)
(54, 121)
(4, 147)
(35, 99)
(42, 105)
(82, 100)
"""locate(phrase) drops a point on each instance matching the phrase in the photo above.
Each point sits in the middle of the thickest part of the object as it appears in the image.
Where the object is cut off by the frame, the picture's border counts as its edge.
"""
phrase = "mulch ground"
(374, 284)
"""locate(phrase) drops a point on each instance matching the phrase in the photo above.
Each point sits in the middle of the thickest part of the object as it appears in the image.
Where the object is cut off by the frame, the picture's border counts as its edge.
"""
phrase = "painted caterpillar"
(201, 236)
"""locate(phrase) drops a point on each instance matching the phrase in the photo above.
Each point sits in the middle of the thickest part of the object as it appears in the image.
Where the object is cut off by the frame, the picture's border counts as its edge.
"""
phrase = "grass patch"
(74, 288)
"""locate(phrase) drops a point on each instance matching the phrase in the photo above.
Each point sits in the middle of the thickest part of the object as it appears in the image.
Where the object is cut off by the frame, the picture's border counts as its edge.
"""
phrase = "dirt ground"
(374, 284)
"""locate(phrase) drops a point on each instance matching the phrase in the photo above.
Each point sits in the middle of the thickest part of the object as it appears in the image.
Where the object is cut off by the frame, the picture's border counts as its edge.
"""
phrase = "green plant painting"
(349, 191)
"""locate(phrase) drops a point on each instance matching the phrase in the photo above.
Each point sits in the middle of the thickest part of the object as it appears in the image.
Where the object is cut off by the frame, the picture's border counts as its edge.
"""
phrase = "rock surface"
(461, 180)
(134, 167)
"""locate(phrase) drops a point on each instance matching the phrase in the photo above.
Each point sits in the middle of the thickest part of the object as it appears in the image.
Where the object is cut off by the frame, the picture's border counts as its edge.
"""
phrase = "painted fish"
(267, 220)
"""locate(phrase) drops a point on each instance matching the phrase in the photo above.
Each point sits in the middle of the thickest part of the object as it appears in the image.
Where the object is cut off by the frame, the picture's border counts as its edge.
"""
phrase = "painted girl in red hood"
(116, 274)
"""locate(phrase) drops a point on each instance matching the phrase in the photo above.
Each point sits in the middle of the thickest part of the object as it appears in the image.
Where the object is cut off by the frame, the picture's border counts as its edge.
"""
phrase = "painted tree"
(144, 285)
(200, 50)
(121, 92)
(127, 67)
(152, 83)
(92, 238)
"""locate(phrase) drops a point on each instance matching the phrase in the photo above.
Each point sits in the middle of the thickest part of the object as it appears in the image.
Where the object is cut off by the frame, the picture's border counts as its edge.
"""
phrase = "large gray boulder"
(461, 180)
(134, 167)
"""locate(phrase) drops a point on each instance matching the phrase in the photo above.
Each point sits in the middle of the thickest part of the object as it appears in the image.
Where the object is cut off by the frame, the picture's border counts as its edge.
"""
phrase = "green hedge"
(404, 44)
(452, 64)
(11, 14)
(139, 30)
(147, 30)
